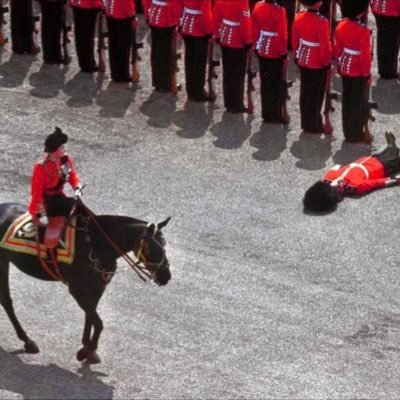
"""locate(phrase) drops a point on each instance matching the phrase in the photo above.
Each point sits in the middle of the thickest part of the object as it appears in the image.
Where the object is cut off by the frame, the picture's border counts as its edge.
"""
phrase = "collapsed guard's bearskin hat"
(321, 197)
(55, 140)
(352, 8)
(309, 2)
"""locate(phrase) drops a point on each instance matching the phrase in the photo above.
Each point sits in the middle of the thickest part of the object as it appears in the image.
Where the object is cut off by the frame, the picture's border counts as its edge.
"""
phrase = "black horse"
(100, 241)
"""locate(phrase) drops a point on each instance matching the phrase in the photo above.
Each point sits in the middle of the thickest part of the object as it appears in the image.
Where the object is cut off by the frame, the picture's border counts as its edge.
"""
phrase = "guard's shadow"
(350, 152)
(232, 131)
(312, 151)
(116, 99)
(270, 141)
(194, 119)
(82, 89)
(387, 94)
(48, 81)
(50, 382)
(160, 108)
(14, 71)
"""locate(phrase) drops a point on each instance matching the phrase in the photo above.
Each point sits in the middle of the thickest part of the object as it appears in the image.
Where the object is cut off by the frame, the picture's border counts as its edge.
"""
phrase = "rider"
(49, 206)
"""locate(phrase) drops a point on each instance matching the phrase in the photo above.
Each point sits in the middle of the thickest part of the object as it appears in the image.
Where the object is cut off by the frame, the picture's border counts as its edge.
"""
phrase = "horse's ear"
(150, 230)
(161, 225)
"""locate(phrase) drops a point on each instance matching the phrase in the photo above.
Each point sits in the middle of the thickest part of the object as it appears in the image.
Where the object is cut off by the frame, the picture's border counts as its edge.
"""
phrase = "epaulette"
(43, 161)
(321, 16)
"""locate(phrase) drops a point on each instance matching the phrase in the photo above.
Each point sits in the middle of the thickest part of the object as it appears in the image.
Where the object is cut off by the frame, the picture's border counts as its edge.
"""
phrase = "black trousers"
(233, 74)
(58, 205)
(120, 33)
(84, 30)
(312, 90)
(354, 107)
(388, 45)
(290, 7)
(52, 24)
(21, 26)
(195, 65)
(161, 57)
(390, 159)
(272, 89)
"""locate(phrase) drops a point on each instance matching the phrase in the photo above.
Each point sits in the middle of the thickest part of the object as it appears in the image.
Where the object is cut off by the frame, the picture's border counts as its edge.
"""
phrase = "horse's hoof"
(93, 358)
(82, 354)
(31, 347)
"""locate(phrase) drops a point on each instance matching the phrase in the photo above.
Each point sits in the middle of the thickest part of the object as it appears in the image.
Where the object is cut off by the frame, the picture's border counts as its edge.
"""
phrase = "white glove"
(78, 191)
(43, 220)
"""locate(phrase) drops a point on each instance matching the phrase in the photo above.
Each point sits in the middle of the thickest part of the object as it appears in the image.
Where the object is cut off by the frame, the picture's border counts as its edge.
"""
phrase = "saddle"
(22, 237)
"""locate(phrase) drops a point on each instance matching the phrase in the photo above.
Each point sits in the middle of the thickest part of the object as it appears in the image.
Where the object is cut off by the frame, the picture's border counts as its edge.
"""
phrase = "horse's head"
(151, 252)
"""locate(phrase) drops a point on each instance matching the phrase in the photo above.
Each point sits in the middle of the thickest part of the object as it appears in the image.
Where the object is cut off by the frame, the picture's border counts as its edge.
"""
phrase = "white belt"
(266, 33)
(351, 52)
(351, 166)
(307, 43)
(230, 23)
(191, 11)
(159, 3)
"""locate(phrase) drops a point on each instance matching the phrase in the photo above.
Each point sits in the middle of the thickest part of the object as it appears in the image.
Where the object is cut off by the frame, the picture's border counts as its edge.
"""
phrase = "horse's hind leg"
(6, 302)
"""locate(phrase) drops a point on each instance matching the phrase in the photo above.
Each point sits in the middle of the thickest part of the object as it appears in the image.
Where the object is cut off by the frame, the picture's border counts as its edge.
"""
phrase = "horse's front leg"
(83, 352)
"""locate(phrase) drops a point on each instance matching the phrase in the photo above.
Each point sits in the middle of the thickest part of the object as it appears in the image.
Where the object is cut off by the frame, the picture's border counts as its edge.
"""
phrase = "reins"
(142, 273)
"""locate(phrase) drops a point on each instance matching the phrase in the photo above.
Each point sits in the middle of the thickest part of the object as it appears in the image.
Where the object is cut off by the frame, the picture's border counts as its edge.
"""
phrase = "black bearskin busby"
(309, 2)
(352, 8)
(321, 197)
(55, 140)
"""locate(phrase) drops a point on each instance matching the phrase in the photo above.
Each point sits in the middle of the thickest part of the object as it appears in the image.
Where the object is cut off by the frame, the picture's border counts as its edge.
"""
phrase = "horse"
(100, 241)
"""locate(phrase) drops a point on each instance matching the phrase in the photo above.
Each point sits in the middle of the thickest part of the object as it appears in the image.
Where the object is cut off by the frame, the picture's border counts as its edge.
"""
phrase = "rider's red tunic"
(47, 180)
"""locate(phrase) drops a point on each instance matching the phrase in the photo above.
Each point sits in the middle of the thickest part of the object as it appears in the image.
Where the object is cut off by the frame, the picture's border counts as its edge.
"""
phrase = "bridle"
(141, 270)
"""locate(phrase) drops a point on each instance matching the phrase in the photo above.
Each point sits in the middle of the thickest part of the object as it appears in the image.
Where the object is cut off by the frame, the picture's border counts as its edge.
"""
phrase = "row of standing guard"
(242, 28)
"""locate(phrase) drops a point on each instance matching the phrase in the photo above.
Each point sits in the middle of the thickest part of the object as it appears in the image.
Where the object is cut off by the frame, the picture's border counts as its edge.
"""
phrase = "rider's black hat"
(55, 140)
(352, 8)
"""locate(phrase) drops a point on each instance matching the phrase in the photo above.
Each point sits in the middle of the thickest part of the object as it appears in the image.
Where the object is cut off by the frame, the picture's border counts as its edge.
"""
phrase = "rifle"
(328, 103)
(135, 57)
(211, 74)
(174, 87)
(250, 86)
(285, 85)
(3, 10)
(101, 45)
(65, 39)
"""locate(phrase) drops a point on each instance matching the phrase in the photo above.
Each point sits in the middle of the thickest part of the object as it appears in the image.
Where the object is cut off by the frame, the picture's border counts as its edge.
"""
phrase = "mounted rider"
(49, 206)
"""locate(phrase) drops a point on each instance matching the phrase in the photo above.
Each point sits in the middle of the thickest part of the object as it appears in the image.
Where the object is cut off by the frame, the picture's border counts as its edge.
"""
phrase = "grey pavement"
(265, 301)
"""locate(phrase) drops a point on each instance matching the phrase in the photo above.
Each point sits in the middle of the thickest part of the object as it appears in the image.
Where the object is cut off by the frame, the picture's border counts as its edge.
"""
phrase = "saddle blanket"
(21, 237)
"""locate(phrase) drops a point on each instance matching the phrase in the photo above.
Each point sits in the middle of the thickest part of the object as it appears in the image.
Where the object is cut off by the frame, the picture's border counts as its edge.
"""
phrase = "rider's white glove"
(43, 220)
(78, 191)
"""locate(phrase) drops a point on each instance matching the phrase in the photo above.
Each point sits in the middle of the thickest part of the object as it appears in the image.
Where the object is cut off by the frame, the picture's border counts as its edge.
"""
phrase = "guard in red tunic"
(52, 21)
(85, 14)
(163, 19)
(361, 176)
(121, 21)
(313, 54)
(270, 38)
(353, 53)
(49, 206)
(387, 16)
(232, 30)
(196, 29)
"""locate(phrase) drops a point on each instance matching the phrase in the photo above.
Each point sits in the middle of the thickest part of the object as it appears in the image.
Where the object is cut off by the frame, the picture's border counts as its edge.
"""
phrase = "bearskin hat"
(321, 197)
(352, 8)
(309, 2)
(55, 140)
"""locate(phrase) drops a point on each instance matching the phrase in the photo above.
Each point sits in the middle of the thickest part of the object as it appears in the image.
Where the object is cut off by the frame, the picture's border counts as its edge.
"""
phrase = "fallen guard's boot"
(390, 139)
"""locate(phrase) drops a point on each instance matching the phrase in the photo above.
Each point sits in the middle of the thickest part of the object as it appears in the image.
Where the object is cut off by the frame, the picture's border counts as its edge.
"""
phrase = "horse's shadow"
(232, 131)
(194, 119)
(312, 151)
(82, 89)
(33, 381)
(48, 81)
(115, 100)
(14, 71)
(270, 141)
